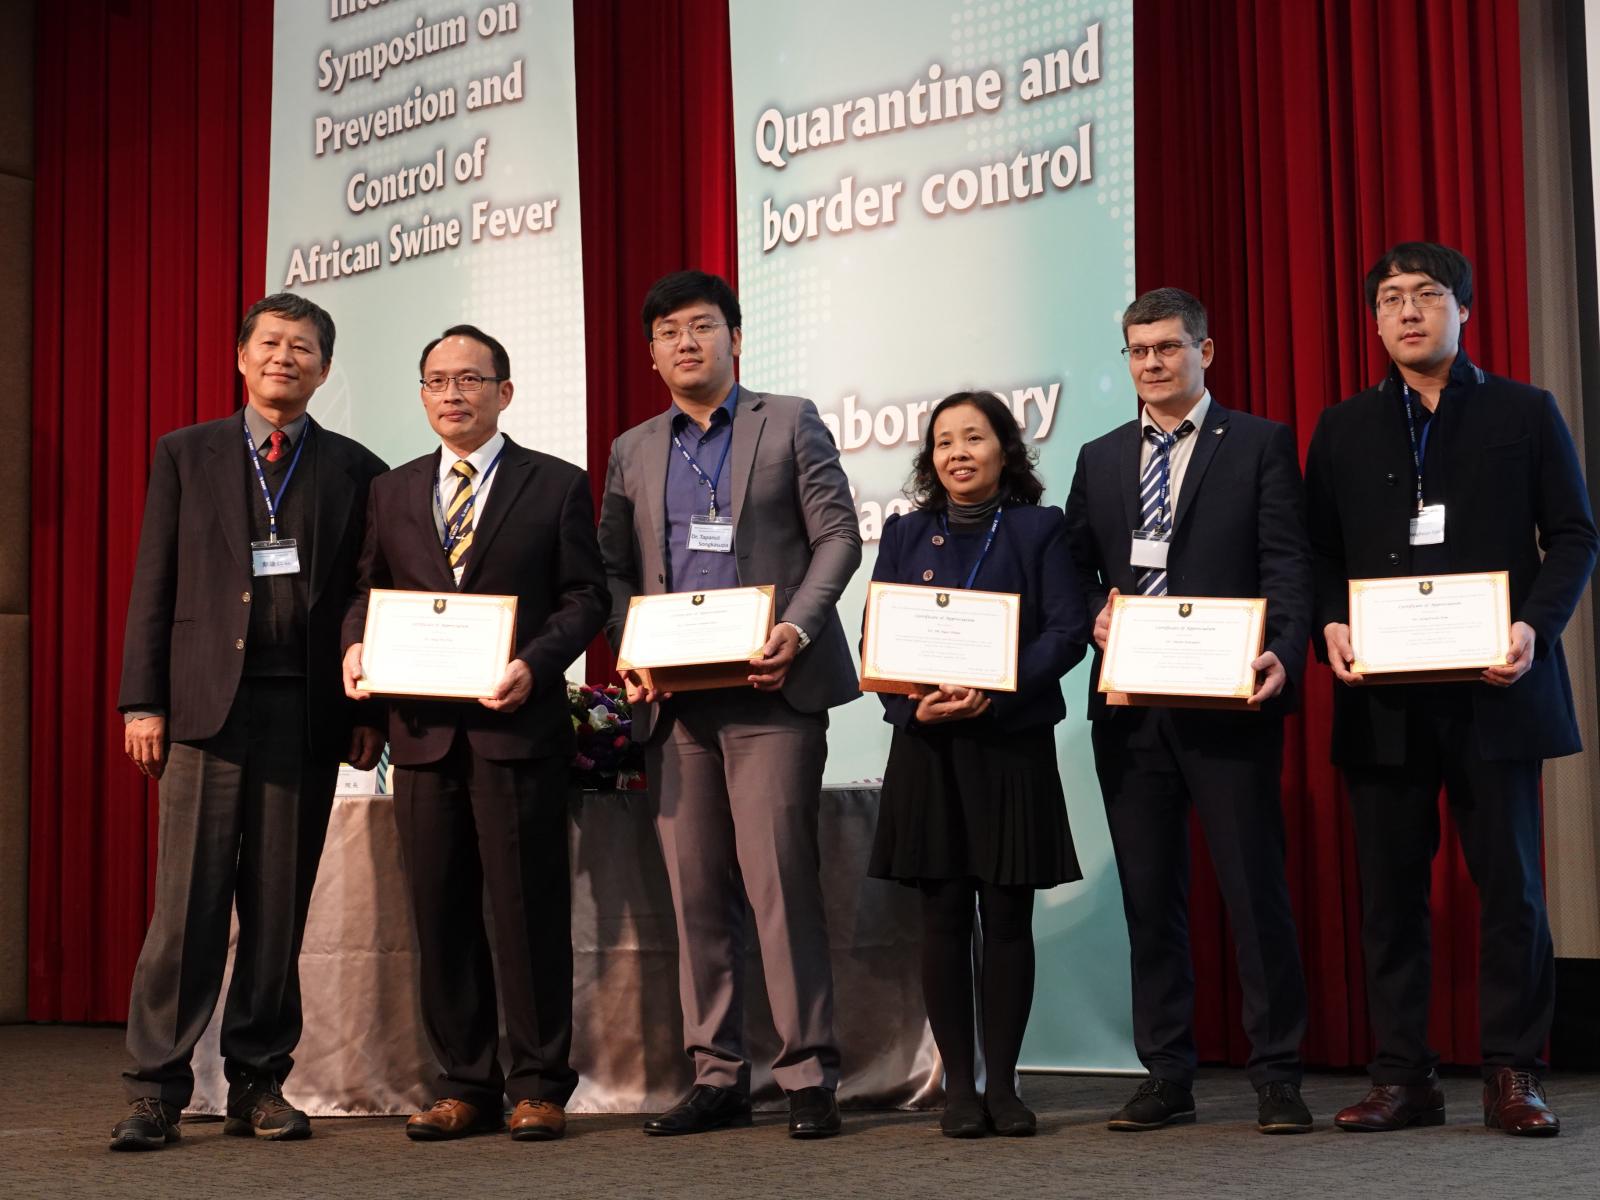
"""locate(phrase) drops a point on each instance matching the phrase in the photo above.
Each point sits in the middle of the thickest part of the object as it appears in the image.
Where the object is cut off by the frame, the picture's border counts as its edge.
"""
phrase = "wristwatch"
(805, 638)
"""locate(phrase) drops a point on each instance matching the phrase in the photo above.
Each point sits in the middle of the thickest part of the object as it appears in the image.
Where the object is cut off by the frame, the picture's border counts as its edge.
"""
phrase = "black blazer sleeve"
(582, 601)
(1285, 559)
(1329, 573)
(899, 711)
(1080, 543)
(1063, 626)
(1567, 534)
(147, 642)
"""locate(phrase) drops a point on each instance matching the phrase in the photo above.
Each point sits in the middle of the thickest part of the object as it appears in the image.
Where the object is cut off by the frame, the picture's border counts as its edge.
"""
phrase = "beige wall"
(1572, 818)
(16, 318)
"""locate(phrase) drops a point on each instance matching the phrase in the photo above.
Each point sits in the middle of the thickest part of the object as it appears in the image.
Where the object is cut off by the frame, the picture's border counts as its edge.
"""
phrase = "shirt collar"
(261, 429)
(481, 458)
(1195, 416)
(681, 418)
(1463, 370)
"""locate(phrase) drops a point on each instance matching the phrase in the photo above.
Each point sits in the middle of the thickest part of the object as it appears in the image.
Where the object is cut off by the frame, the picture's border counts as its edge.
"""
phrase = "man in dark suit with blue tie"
(1193, 499)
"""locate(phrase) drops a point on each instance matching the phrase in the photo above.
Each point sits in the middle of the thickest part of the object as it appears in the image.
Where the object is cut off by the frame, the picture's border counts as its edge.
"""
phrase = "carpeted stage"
(60, 1095)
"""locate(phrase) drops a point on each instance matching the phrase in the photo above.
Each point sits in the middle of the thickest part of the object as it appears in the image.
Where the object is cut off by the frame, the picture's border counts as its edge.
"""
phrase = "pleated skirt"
(989, 806)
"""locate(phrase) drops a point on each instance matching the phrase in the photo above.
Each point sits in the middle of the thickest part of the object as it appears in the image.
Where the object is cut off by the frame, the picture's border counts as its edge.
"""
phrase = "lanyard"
(261, 477)
(1419, 449)
(944, 526)
(452, 532)
(695, 467)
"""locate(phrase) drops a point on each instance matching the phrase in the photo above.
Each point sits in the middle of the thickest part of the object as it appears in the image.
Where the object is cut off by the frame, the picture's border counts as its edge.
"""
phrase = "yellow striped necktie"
(458, 517)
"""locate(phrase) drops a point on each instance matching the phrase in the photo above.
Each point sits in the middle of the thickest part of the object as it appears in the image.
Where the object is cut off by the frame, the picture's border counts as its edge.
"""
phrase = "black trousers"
(242, 820)
(1495, 807)
(1149, 776)
(466, 823)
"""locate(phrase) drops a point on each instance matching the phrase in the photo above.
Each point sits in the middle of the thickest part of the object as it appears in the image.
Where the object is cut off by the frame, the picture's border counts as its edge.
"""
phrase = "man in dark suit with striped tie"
(481, 786)
(1192, 499)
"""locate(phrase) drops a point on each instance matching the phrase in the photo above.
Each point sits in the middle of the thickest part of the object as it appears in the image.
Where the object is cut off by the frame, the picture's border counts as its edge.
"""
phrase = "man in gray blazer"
(734, 488)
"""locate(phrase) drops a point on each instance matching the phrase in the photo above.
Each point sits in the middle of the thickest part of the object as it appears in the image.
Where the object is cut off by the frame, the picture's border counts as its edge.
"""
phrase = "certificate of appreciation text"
(1183, 646)
(453, 645)
(926, 635)
(1435, 624)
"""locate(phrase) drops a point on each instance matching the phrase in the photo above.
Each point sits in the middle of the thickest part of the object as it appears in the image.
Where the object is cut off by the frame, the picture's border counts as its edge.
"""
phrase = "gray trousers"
(242, 820)
(734, 777)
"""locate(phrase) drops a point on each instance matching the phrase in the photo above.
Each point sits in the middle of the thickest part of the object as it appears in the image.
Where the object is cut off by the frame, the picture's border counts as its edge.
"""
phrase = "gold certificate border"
(1242, 690)
(380, 601)
(1500, 585)
(872, 669)
(759, 630)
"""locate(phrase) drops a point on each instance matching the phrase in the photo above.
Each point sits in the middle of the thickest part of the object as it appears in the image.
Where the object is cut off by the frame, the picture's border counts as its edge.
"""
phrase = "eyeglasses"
(1162, 350)
(1391, 304)
(697, 330)
(468, 383)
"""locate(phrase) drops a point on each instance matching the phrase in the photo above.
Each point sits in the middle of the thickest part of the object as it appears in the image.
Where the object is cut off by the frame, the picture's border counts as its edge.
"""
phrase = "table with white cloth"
(364, 1053)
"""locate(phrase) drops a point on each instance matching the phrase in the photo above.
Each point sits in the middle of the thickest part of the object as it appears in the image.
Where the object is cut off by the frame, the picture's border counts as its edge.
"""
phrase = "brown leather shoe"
(1390, 1106)
(1514, 1101)
(538, 1121)
(451, 1118)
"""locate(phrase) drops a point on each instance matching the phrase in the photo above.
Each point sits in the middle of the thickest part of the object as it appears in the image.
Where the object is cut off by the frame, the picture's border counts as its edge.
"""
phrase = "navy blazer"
(1513, 488)
(1029, 557)
(1238, 530)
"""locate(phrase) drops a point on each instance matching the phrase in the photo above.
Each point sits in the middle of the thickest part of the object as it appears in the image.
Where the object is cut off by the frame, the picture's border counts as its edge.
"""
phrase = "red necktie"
(276, 450)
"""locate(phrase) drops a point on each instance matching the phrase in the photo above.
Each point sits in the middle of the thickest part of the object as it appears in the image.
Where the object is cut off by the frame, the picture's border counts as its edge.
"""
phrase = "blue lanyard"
(695, 467)
(452, 532)
(944, 526)
(261, 477)
(1419, 450)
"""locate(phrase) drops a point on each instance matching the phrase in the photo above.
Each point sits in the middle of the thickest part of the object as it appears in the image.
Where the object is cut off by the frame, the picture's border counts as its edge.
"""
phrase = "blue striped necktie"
(1155, 492)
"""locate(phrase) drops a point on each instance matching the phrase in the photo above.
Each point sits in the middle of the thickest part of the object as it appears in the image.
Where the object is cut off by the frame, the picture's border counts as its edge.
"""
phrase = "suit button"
(244, 597)
(1394, 558)
(927, 576)
(1389, 478)
(238, 643)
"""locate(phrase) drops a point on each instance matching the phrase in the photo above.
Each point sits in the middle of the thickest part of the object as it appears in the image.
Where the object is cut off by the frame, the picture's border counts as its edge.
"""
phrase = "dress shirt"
(481, 459)
(687, 497)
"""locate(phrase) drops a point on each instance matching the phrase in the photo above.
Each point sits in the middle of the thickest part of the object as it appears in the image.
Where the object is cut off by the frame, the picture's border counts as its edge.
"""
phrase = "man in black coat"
(1219, 494)
(232, 698)
(1443, 468)
(481, 786)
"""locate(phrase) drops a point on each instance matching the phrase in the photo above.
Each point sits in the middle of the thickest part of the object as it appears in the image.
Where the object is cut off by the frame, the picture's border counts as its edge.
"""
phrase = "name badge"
(711, 533)
(1149, 550)
(1427, 527)
(275, 558)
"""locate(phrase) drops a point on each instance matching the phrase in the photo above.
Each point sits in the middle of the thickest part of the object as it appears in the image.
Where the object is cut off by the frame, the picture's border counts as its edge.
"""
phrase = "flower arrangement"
(607, 758)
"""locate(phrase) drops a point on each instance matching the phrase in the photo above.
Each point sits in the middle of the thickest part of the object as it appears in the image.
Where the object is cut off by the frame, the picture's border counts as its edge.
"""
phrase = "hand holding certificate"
(689, 641)
(1183, 651)
(1439, 628)
(918, 638)
(447, 645)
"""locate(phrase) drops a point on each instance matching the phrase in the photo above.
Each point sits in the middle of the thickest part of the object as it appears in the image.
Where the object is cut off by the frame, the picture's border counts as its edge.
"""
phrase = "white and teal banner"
(425, 174)
(937, 195)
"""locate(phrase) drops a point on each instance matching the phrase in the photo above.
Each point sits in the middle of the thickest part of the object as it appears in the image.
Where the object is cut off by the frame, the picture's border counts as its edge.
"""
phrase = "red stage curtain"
(1282, 147)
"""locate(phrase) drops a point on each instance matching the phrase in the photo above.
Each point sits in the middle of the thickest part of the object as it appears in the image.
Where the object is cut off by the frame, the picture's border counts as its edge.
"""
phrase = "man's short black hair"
(1161, 303)
(1439, 263)
(671, 292)
(502, 360)
(291, 308)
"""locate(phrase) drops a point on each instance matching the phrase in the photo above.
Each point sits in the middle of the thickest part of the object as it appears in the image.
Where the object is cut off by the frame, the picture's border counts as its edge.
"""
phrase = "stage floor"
(60, 1094)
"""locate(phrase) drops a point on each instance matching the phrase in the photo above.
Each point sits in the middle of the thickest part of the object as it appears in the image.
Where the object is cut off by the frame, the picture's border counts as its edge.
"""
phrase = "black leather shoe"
(1279, 1109)
(963, 1118)
(261, 1111)
(813, 1113)
(1156, 1103)
(1009, 1116)
(149, 1125)
(703, 1109)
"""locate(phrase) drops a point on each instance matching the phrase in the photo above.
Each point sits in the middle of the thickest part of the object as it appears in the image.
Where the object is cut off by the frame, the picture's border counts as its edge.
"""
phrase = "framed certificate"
(1182, 651)
(918, 637)
(690, 641)
(1434, 628)
(449, 645)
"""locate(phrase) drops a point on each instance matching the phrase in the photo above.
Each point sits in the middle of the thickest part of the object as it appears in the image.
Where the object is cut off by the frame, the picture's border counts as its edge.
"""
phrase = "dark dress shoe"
(261, 1111)
(963, 1118)
(1009, 1116)
(1158, 1102)
(1391, 1106)
(149, 1125)
(703, 1109)
(1279, 1108)
(1514, 1101)
(813, 1113)
(450, 1118)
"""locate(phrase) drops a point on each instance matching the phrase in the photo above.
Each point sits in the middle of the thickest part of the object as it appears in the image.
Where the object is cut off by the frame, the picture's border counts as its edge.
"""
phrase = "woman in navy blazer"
(972, 809)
